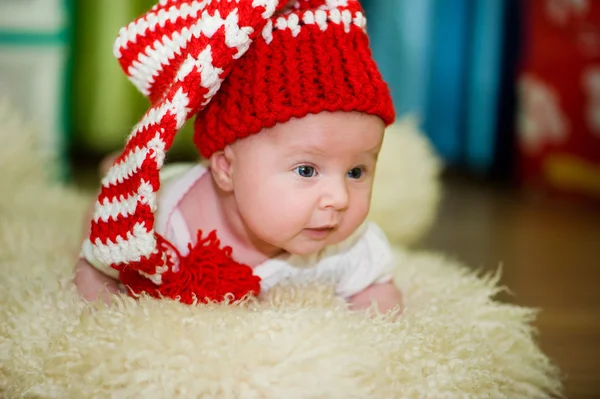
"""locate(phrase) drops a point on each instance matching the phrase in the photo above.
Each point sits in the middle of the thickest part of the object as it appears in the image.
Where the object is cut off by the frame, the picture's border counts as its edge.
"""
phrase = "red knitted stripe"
(141, 138)
(130, 186)
(311, 4)
(120, 226)
(146, 264)
(251, 16)
(163, 80)
(147, 172)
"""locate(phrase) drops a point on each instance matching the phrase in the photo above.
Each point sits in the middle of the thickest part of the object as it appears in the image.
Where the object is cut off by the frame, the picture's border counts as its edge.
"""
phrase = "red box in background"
(559, 97)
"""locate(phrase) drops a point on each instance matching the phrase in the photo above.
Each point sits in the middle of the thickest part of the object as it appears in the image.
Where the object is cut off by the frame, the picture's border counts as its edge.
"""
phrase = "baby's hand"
(92, 284)
(386, 295)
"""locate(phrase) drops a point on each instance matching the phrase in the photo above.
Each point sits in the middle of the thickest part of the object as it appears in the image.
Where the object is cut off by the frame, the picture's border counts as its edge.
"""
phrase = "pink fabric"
(170, 220)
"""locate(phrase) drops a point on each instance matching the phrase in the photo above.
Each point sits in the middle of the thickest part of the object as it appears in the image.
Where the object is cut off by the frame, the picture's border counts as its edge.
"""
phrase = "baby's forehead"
(329, 144)
(327, 133)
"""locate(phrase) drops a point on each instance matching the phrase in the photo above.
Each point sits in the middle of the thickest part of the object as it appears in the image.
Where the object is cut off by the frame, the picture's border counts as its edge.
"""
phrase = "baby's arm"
(369, 264)
(92, 284)
(386, 295)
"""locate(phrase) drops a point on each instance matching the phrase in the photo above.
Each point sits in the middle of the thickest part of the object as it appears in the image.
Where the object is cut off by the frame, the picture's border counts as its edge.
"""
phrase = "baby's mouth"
(319, 233)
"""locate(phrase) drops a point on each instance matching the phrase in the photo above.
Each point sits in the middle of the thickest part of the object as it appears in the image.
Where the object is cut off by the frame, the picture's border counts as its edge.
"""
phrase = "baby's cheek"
(280, 202)
(360, 206)
(354, 217)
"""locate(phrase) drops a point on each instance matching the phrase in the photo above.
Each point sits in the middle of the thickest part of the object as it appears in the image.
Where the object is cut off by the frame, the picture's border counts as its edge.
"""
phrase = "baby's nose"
(335, 195)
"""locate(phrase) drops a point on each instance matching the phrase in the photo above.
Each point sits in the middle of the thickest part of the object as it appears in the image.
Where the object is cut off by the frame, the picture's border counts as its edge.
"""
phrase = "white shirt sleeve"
(363, 259)
(369, 260)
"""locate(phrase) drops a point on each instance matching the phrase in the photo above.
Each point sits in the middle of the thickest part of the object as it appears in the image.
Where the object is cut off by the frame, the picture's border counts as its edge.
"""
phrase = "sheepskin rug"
(452, 340)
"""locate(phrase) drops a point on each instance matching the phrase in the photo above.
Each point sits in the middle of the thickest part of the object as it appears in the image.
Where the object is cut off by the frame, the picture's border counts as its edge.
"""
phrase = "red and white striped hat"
(240, 66)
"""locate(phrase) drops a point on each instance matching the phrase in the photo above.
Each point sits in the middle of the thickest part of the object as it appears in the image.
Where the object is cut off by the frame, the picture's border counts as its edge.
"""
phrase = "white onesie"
(361, 260)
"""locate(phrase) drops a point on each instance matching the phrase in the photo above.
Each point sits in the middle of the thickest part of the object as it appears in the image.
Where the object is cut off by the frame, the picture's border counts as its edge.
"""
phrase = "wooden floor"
(550, 254)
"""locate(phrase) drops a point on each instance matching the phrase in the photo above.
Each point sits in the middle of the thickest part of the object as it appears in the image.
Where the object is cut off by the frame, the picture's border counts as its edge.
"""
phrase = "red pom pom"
(207, 273)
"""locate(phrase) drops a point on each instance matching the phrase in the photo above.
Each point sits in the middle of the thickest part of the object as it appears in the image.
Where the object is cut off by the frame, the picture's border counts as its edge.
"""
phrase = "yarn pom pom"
(207, 274)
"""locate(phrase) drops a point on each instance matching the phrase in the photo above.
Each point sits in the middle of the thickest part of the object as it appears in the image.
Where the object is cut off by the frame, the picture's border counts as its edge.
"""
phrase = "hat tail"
(122, 229)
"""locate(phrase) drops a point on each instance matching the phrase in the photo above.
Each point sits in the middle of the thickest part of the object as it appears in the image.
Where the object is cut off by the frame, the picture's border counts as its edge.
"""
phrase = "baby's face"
(306, 184)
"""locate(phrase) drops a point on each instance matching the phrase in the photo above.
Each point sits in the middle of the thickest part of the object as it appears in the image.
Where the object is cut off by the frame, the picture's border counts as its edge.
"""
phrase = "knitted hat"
(240, 66)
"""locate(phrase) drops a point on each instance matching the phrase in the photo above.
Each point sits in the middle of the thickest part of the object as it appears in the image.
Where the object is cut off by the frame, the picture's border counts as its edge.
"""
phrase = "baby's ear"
(221, 167)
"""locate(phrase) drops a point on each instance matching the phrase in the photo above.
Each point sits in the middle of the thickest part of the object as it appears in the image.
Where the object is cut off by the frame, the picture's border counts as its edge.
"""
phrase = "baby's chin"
(308, 247)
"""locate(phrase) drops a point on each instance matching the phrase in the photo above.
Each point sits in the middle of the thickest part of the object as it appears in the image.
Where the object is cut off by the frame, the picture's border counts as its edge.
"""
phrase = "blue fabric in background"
(400, 42)
(446, 90)
(483, 84)
(443, 62)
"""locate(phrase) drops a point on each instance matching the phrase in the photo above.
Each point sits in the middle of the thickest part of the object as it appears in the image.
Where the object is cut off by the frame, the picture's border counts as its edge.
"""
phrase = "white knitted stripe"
(88, 254)
(346, 20)
(319, 17)
(293, 23)
(143, 71)
(137, 244)
(336, 3)
(133, 161)
(267, 32)
(269, 5)
(154, 19)
(360, 20)
(177, 106)
(236, 36)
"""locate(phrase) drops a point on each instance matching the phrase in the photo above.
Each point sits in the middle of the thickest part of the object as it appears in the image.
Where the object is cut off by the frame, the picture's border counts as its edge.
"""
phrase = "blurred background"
(508, 92)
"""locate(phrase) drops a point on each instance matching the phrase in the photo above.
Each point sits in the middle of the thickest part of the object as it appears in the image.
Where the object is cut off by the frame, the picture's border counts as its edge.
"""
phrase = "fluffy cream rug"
(452, 341)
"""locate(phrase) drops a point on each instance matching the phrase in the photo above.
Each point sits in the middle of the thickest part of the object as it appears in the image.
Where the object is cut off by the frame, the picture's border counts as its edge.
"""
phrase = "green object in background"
(106, 104)
(34, 70)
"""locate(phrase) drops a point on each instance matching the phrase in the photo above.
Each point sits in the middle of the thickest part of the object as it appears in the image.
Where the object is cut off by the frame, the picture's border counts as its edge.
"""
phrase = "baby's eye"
(305, 171)
(355, 173)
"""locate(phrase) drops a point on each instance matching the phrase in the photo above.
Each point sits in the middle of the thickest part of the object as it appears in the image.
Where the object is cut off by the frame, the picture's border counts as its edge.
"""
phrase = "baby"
(290, 113)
